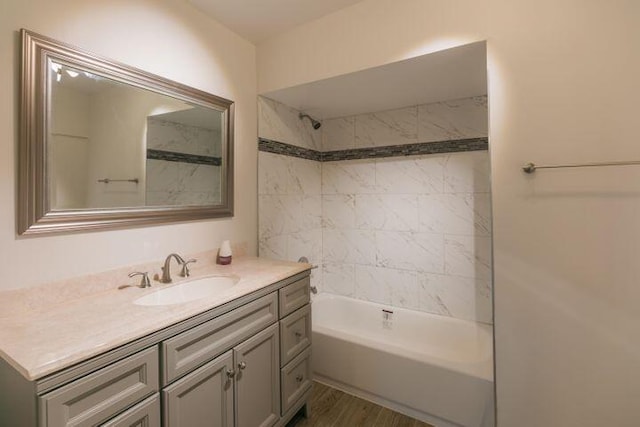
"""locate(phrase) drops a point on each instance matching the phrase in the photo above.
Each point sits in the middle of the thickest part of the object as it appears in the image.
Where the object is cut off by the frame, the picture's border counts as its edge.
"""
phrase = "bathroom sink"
(188, 291)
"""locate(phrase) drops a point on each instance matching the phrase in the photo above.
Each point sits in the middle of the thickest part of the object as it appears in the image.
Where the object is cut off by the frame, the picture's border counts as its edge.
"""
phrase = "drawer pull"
(299, 378)
(231, 373)
(242, 365)
(298, 334)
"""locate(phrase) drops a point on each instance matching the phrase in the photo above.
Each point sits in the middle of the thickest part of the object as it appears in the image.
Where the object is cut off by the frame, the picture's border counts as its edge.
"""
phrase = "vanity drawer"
(295, 333)
(99, 396)
(184, 352)
(144, 414)
(295, 379)
(294, 296)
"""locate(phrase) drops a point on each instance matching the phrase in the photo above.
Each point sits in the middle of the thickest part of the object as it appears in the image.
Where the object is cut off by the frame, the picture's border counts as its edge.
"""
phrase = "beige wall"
(563, 88)
(165, 37)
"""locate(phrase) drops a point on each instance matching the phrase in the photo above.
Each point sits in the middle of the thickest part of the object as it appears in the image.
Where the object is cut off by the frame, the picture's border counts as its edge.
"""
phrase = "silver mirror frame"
(34, 215)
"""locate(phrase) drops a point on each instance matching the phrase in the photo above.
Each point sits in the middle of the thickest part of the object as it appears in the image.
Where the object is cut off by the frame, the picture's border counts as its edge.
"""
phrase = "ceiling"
(257, 20)
(449, 74)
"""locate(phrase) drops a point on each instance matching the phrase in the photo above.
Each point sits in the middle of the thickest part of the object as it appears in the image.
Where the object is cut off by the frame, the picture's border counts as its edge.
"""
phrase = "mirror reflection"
(113, 145)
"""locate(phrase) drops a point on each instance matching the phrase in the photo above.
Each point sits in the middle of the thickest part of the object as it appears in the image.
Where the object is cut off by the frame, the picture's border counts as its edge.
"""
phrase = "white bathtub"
(434, 368)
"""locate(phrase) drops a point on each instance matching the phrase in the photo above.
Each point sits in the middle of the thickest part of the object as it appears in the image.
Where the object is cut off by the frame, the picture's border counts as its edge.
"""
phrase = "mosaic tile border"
(437, 147)
(271, 146)
(172, 156)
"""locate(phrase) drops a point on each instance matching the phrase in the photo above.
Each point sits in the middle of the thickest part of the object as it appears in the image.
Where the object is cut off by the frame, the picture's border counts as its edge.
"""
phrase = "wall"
(164, 37)
(289, 189)
(411, 232)
(562, 89)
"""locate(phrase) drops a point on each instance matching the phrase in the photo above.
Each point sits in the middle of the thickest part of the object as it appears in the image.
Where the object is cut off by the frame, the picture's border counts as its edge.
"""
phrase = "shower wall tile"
(339, 211)
(374, 283)
(338, 134)
(392, 127)
(459, 297)
(411, 232)
(397, 212)
(349, 246)
(460, 213)
(339, 278)
(281, 123)
(457, 119)
(468, 256)
(467, 173)
(410, 175)
(162, 175)
(273, 173)
(349, 177)
(410, 251)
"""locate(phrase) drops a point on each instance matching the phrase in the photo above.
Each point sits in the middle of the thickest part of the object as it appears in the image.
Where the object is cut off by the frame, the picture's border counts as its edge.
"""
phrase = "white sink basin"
(188, 291)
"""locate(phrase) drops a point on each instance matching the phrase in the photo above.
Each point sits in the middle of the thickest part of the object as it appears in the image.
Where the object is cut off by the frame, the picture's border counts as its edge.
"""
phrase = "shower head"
(316, 124)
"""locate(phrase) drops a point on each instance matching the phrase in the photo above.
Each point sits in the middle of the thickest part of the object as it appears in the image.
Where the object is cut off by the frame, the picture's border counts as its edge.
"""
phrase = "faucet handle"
(144, 280)
(185, 267)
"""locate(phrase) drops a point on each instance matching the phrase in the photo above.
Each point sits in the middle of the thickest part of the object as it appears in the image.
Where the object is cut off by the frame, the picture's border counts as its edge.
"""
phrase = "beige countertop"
(51, 327)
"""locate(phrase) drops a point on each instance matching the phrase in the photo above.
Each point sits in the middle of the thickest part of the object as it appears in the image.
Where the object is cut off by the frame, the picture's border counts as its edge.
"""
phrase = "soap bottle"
(224, 254)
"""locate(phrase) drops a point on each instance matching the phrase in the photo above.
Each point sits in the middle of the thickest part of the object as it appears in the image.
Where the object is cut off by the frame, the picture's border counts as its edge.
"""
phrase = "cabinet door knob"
(242, 365)
(231, 373)
(298, 334)
(299, 378)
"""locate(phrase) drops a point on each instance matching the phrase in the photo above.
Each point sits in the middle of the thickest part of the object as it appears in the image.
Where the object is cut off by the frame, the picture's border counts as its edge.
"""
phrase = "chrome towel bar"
(532, 167)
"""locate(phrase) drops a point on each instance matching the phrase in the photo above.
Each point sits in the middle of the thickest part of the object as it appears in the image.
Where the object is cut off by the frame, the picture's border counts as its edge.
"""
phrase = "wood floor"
(334, 408)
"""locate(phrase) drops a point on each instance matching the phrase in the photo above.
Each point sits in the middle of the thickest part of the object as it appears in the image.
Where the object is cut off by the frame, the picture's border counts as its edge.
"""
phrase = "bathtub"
(433, 368)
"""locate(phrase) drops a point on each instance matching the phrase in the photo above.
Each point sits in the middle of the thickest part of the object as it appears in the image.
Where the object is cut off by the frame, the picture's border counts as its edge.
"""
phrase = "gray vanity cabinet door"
(258, 379)
(204, 398)
(144, 414)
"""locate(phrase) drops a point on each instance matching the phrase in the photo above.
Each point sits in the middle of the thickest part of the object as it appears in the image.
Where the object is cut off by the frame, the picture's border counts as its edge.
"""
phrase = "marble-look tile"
(304, 176)
(274, 247)
(467, 173)
(460, 213)
(468, 256)
(273, 177)
(349, 177)
(459, 297)
(306, 243)
(281, 123)
(410, 251)
(338, 134)
(162, 175)
(391, 127)
(387, 286)
(339, 278)
(350, 246)
(279, 214)
(374, 284)
(339, 211)
(397, 212)
(178, 137)
(410, 175)
(197, 198)
(195, 177)
(310, 212)
(457, 119)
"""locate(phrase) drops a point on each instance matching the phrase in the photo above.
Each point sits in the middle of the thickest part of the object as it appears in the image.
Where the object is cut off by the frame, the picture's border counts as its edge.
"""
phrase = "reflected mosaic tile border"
(438, 147)
(172, 156)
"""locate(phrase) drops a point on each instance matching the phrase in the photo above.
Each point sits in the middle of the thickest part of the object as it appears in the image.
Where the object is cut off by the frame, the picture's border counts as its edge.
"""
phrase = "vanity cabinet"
(243, 364)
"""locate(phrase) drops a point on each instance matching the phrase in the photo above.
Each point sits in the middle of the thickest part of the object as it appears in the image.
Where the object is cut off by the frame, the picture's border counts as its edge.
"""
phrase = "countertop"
(45, 332)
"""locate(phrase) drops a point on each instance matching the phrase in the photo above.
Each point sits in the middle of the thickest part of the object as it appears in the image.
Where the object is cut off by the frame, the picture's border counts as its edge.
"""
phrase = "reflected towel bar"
(531, 167)
(108, 180)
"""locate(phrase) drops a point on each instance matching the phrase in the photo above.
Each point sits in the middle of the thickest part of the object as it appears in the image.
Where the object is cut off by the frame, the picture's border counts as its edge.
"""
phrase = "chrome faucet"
(166, 274)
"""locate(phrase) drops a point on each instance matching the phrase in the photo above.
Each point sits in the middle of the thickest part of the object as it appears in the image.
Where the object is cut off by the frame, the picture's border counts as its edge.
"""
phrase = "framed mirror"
(106, 145)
